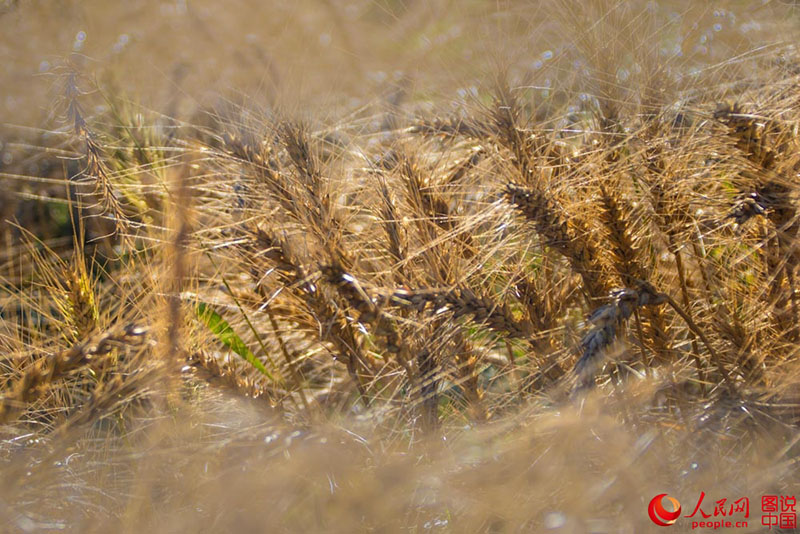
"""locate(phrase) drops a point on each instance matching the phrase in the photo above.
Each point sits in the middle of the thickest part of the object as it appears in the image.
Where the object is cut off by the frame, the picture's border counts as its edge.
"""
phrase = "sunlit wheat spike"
(547, 218)
(34, 382)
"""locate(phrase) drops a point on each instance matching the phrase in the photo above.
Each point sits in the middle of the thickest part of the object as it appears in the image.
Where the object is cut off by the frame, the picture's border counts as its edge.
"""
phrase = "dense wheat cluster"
(522, 270)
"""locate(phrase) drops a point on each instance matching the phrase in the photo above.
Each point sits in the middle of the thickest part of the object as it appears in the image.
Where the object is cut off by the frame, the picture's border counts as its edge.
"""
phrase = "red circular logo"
(659, 514)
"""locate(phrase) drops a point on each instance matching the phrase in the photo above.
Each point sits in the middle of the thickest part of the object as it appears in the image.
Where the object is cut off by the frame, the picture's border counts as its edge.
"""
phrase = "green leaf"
(223, 331)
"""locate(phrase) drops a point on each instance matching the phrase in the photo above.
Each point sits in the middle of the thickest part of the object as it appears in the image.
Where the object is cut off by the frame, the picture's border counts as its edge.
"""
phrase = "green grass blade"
(224, 332)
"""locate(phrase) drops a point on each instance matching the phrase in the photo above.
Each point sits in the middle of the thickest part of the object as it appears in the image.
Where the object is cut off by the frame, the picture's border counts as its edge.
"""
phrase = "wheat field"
(394, 265)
